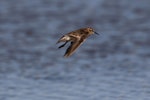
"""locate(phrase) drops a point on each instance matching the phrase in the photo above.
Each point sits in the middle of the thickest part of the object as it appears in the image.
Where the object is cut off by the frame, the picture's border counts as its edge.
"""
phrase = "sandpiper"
(76, 38)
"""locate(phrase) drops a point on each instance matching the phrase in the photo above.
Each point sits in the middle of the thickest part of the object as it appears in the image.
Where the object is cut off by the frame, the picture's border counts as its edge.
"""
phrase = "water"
(114, 65)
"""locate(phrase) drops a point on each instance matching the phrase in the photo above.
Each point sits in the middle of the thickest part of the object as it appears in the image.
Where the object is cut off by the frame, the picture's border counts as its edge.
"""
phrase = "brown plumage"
(76, 38)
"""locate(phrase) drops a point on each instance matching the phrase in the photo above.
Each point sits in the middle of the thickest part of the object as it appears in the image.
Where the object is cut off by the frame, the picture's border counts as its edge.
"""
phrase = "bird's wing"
(73, 46)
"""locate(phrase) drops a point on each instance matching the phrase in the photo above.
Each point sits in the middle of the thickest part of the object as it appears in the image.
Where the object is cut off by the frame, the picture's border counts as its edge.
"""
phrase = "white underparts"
(66, 37)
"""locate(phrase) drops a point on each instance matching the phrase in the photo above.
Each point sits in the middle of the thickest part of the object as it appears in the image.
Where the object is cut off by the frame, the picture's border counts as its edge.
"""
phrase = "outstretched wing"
(73, 46)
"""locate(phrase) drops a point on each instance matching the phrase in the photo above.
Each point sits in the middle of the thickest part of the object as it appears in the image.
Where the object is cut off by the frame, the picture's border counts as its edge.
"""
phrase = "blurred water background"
(112, 66)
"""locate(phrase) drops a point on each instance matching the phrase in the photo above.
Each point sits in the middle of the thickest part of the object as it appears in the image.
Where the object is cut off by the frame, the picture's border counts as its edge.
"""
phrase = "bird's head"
(91, 31)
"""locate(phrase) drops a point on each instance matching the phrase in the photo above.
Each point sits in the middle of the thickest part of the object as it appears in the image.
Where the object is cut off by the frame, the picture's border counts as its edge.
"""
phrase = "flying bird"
(76, 38)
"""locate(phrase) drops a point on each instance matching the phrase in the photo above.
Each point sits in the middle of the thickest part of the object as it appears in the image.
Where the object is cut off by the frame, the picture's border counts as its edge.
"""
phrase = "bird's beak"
(96, 33)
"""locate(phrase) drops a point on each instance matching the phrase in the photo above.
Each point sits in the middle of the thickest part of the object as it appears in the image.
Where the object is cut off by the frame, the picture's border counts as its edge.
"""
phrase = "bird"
(76, 38)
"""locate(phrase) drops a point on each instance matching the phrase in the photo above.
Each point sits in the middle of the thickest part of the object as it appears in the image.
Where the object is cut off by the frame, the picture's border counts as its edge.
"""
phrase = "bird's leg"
(63, 45)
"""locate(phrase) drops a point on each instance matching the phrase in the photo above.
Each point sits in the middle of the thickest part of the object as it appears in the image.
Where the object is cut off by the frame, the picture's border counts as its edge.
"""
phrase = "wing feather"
(73, 46)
